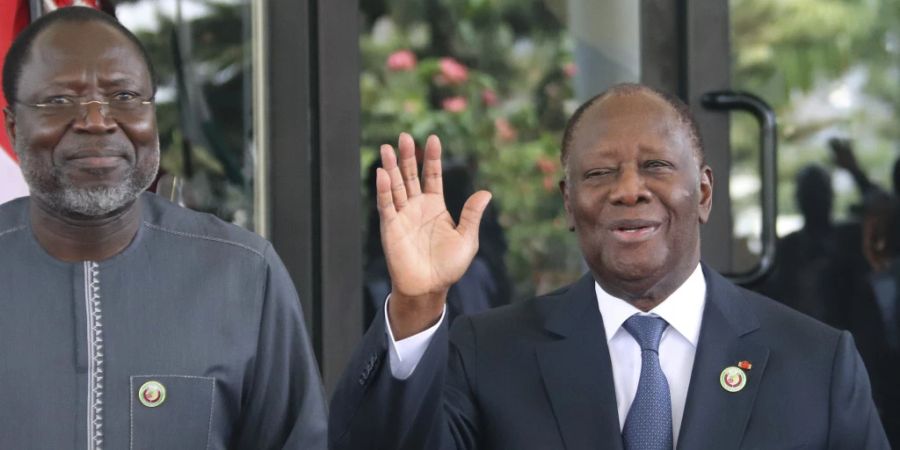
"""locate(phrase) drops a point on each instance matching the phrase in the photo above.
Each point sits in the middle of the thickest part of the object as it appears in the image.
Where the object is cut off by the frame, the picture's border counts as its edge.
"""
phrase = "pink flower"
(452, 72)
(455, 104)
(401, 61)
(570, 69)
(546, 165)
(504, 131)
(550, 183)
(489, 97)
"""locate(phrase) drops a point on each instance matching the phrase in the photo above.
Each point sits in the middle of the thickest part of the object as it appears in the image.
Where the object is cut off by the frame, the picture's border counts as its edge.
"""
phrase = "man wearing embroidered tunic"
(129, 322)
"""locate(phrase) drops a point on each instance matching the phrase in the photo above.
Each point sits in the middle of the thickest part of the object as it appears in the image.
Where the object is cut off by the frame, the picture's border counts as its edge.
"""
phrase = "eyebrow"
(77, 84)
(119, 80)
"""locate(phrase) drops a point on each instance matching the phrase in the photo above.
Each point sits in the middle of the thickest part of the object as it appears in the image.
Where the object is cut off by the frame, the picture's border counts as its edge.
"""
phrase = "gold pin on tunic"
(152, 394)
(733, 379)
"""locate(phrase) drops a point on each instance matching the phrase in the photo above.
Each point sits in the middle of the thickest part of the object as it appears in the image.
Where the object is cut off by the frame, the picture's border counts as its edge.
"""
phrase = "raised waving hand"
(426, 252)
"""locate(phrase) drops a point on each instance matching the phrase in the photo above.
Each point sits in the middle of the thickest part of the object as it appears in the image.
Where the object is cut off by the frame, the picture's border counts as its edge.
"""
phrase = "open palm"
(426, 252)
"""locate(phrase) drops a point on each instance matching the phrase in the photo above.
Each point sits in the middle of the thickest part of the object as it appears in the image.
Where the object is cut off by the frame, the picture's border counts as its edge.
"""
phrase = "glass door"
(797, 103)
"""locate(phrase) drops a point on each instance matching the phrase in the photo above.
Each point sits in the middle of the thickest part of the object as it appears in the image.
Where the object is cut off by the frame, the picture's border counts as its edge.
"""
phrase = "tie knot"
(647, 330)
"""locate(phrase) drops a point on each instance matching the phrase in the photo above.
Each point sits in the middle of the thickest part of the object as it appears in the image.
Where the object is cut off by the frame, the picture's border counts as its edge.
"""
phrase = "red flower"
(455, 104)
(570, 69)
(401, 61)
(489, 97)
(452, 72)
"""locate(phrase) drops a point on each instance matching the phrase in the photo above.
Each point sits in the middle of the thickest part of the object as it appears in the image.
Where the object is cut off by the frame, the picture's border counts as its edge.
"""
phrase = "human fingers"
(384, 196)
(431, 168)
(408, 166)
(389, 163)
(471, 215)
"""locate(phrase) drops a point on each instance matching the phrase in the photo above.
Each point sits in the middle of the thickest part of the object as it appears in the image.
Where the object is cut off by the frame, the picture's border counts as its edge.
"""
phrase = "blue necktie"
(649, 422)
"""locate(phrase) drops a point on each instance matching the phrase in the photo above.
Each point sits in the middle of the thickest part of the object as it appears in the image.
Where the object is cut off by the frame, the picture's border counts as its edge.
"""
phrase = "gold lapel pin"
(152, 394)
(733, 378)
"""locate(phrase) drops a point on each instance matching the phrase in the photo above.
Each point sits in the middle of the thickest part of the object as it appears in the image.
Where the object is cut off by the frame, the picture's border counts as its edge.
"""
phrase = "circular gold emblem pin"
(733, 379)
(152, 394)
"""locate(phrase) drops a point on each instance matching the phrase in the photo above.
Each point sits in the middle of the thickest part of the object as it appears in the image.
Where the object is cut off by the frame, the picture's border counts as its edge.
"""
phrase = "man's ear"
(9, 120)
(564, 190)
(706, 193)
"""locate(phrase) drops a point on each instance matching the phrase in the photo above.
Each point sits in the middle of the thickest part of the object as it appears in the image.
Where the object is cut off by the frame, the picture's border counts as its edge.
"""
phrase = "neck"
(75, 238)
(646, 294)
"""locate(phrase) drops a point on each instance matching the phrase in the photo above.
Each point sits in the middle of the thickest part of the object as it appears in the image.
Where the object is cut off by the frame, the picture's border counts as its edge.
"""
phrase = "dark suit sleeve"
(854, 421)
(432, 409)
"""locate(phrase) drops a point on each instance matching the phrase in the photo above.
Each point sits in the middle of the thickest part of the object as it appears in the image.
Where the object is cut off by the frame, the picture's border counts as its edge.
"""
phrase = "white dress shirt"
(405, 354)
(683, 310)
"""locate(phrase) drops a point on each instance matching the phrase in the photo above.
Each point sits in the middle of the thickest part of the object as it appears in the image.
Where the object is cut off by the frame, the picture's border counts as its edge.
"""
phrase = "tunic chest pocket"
(171, 412)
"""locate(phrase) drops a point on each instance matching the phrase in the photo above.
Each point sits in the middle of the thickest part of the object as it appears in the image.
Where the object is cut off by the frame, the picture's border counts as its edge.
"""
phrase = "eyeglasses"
(125, 107)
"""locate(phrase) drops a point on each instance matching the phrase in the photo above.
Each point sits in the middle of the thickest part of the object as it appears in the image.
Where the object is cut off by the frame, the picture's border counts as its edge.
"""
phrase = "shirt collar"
(683, 310)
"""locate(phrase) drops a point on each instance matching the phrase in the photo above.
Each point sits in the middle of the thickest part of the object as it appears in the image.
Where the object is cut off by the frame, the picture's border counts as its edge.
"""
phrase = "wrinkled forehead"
(72, 54)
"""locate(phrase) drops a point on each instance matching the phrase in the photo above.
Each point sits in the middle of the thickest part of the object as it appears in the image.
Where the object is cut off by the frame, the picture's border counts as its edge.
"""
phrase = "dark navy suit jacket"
(537, 375)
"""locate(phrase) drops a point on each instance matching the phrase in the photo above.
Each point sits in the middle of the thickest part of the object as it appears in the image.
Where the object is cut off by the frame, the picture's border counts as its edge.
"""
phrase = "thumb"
(471, 214)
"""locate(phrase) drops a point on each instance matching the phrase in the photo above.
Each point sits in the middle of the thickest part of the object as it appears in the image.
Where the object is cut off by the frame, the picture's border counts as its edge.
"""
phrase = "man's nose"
(630, 188)
(94, 116)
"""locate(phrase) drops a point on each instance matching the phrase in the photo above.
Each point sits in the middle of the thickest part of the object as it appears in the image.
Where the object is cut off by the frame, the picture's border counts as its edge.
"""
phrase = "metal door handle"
(765, 116)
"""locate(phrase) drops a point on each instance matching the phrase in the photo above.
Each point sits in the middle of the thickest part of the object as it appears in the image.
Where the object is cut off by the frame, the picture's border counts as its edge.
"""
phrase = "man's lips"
(95, 160)
(634, 230)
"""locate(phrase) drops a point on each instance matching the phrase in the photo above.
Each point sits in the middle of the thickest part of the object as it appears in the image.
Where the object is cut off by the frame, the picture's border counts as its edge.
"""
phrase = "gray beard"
(50, 186)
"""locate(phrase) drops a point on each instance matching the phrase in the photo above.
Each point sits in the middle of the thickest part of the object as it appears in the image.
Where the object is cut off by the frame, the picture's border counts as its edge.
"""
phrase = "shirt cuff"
(405, 354)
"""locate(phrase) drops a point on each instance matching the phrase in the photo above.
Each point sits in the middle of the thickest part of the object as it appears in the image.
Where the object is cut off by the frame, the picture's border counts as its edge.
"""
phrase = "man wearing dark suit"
(649, 350)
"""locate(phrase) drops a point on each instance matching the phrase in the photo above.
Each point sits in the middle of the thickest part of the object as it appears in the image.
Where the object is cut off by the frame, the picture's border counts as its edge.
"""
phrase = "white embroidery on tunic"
(95, 355)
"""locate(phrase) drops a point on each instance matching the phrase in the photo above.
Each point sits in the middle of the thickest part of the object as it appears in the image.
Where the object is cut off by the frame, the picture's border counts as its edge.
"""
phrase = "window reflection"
(829, 69)
(496, 80)
(200, 50)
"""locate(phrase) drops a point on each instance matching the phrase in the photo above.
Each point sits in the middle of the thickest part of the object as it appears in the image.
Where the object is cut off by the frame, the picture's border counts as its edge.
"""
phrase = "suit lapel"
(713, 417)
(576, 369)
